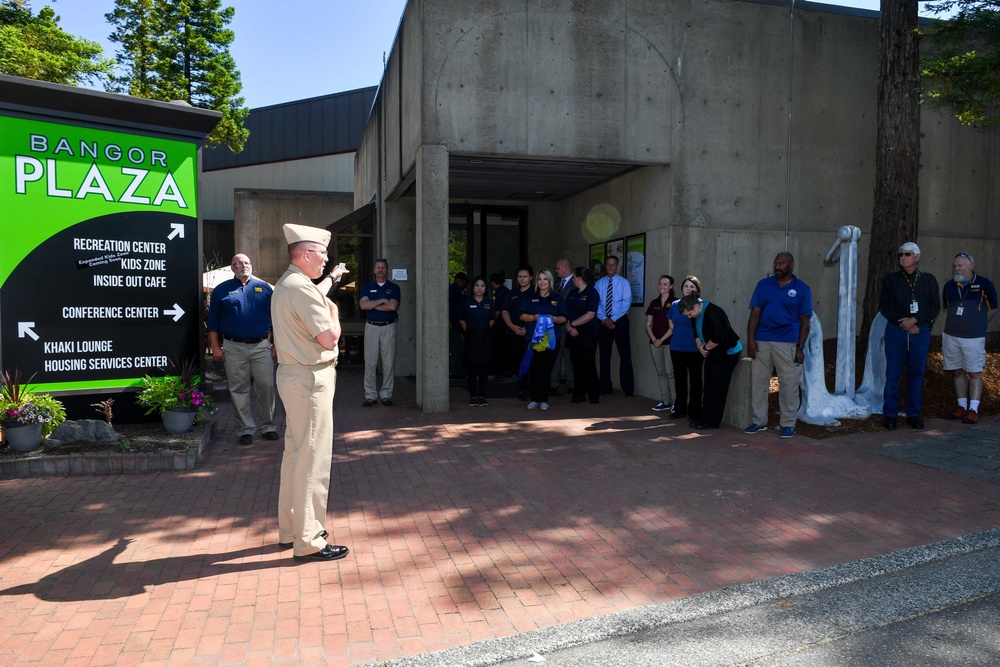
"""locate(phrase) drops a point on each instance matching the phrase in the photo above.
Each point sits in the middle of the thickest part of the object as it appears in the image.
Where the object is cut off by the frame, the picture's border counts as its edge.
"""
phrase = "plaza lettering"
(95, 183)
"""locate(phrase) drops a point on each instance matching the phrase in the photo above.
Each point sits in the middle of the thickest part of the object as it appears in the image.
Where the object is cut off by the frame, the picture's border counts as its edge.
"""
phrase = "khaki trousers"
(781, 358)
(380, 344)
(307, 393)
(246, 362)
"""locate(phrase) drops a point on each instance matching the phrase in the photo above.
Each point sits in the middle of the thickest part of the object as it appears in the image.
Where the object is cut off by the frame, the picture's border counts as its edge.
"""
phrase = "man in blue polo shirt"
(239, 333)
(970, 301)
(780, 309)
(379, 300)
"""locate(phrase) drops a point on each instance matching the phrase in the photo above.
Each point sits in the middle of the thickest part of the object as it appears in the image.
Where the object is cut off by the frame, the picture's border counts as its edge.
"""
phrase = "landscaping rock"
(82, 431)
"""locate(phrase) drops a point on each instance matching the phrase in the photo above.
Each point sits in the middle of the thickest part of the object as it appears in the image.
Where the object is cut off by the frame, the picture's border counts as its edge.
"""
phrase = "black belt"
(248, 341)
(380, 324)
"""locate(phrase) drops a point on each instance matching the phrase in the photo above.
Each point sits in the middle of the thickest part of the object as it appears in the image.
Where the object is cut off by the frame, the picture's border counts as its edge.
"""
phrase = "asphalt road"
(936, 605)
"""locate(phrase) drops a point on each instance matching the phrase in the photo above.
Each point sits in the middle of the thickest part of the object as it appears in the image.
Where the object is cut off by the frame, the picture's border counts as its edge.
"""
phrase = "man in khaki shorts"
(970, 300)
(306, 328)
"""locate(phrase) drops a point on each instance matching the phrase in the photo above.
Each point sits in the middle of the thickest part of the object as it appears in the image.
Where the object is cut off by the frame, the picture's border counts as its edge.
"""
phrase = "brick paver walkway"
(480, 523)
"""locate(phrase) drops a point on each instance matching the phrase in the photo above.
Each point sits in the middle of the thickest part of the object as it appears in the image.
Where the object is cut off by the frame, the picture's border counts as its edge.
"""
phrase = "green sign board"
(99, 267)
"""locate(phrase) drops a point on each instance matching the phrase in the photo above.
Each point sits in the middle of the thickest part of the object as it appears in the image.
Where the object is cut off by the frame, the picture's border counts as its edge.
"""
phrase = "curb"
(743, 596)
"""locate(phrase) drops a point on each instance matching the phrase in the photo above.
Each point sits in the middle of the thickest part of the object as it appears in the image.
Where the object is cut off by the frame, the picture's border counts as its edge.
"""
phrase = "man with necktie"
(564, 272)
(616, 298)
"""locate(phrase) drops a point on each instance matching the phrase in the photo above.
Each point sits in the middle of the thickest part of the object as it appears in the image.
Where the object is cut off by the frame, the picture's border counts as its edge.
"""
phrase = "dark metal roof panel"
(86, 105)
(317, 126)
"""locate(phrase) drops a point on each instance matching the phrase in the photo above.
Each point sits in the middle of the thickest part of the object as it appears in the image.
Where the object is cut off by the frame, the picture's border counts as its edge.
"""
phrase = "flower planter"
(23, 437)
(179, 420)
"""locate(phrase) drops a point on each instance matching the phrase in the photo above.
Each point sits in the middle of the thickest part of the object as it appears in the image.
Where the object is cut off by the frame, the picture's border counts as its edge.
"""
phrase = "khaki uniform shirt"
(299, 313)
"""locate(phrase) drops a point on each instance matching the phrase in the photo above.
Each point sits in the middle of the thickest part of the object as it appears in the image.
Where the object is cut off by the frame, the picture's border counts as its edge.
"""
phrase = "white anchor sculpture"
(818, 405)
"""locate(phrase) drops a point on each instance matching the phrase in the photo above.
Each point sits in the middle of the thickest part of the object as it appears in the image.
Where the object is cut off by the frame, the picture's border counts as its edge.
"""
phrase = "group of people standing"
(547, 318)
(544, 320)
(910, 302)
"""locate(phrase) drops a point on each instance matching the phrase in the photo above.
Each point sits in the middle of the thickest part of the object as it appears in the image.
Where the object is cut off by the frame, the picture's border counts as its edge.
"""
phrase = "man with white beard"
(970, 300)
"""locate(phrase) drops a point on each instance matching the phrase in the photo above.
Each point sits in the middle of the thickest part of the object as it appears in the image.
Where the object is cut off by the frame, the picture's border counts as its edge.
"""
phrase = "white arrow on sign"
(24, 329)
(178, 230)
(176, 311)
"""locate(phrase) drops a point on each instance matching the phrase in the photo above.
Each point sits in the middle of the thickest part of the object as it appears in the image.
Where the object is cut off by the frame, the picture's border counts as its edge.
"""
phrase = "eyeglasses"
(906, 254)
(321, 253)
(962, 254)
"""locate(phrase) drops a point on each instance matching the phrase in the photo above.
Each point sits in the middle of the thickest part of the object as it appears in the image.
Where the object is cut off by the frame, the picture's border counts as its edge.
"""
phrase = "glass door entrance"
(483, 240)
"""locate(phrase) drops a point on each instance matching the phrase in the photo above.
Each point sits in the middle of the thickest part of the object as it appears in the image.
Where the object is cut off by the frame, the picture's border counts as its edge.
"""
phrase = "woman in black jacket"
(721, 348)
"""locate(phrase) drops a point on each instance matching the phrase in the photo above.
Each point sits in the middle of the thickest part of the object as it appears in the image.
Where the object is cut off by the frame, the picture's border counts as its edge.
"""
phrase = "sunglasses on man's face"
(906, 254)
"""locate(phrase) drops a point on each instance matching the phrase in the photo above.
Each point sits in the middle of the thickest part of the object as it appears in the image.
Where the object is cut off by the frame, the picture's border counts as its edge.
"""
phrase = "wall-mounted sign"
(635, 267)
(99, 257)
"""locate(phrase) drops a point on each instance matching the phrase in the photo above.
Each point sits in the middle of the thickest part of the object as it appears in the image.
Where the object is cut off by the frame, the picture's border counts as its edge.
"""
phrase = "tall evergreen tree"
(35, 47)
(179, 50)
(897, 152)
(962, 72)
(136, 30)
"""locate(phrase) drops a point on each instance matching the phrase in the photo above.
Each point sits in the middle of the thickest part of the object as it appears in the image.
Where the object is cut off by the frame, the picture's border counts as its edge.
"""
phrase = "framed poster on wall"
(597, 260)
(635, 267)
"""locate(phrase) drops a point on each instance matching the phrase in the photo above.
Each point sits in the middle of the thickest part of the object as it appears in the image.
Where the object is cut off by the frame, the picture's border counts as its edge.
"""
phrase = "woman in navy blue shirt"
(543, 302)
(511, 314)
(581, 335)
(687, 360)
(476, 317)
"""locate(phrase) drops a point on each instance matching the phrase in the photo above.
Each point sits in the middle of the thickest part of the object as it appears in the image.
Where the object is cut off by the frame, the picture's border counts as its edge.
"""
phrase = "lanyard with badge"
(961, 299)
(914, 306)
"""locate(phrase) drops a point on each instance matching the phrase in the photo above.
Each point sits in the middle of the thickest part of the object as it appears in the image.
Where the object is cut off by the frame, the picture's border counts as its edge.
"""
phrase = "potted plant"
(175, 398)
(26, 417)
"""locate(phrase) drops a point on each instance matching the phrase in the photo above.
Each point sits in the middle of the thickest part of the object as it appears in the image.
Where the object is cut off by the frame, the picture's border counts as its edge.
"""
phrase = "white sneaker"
(534, 406)
(545, 406)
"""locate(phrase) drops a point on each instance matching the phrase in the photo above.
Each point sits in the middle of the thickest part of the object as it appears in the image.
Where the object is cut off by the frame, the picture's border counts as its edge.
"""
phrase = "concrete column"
(739, 409)
(431, 283)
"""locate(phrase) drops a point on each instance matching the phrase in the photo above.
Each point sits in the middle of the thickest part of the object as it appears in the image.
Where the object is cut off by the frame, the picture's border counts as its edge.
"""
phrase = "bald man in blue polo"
(777, 330)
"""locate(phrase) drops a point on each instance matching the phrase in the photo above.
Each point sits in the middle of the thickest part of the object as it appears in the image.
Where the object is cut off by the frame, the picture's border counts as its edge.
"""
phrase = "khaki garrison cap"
(298, 233)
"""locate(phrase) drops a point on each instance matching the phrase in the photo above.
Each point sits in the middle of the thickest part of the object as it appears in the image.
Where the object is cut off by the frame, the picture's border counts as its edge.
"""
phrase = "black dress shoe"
(386, 401)
(288, 545)
(704, 426)
(889, 423)
(915, 422)
(246, 439)
(369, 402)
(329, 552)
(271, 435)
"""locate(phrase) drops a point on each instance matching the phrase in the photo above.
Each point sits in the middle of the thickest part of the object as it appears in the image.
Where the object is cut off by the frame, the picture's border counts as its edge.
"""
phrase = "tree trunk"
(897, 162)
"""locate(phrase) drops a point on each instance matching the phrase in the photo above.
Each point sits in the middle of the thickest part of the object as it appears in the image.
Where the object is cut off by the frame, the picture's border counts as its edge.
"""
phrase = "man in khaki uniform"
(306, 328)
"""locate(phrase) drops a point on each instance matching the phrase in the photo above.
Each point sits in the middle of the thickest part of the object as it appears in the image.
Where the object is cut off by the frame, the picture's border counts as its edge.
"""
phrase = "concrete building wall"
(330, 173)
(697, 93)
(260, 215)
(549, 79)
